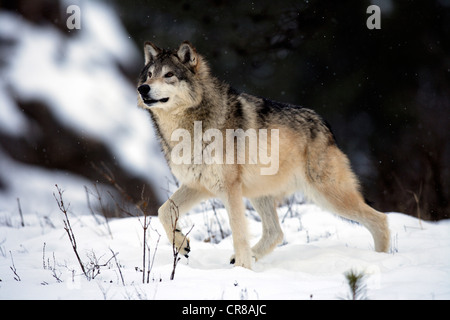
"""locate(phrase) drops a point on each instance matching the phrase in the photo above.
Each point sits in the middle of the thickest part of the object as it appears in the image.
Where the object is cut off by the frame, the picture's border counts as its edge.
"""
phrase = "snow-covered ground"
(318, 249)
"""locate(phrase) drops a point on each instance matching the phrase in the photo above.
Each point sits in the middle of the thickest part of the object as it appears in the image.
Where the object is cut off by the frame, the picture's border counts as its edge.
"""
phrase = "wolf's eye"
(169, 75)
(149, 74)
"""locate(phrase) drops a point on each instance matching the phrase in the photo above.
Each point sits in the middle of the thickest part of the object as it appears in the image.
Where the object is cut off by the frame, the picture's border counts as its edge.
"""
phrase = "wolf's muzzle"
(144, 92)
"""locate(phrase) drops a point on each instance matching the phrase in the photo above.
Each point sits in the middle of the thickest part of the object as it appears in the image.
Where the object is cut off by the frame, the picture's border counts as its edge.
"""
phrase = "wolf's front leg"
(171, 211)
(236, 211)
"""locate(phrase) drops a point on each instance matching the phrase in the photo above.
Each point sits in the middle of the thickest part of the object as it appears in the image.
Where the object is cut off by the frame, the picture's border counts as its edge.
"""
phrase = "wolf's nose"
(144, 89)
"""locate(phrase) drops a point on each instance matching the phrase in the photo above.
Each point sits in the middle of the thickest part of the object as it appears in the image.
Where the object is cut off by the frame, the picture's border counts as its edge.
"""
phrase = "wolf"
(178, 90)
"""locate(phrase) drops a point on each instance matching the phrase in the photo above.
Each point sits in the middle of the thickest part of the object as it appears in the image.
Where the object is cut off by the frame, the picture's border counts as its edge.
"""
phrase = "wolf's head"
(171, 79)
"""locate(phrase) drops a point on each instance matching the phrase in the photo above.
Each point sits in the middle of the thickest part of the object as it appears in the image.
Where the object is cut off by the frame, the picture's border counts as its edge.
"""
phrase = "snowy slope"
(79, 80)
(318, 249)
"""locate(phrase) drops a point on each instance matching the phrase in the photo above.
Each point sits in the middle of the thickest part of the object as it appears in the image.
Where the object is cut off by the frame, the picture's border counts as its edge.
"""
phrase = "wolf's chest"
(209, 177)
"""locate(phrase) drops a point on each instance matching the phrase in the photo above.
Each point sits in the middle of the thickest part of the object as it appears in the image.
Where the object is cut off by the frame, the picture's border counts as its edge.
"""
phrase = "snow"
(318, 249)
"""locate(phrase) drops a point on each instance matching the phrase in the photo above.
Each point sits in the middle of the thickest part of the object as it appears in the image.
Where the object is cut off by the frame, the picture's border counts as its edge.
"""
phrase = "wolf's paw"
(182, 244)
(253, 256)
(245, 262)
(185, 249)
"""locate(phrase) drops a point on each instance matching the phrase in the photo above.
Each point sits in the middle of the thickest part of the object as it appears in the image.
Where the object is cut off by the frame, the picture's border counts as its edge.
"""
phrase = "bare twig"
(144, 246)
(94, 265)
(43, 257)
(47, 266)
(20, 213)
(417, 199)
(88, 200)
(150, 264)
(103, 210)
(56, 276)
(142, 207)
(290, 202)
(144, 224)
(222, 234)
(109, 176)
(13, 268)
(68, 227)
(117, 265)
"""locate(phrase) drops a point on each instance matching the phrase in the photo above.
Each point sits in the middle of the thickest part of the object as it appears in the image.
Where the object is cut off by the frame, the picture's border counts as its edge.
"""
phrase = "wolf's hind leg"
(171, 211)
(335, 187)
(272, 235)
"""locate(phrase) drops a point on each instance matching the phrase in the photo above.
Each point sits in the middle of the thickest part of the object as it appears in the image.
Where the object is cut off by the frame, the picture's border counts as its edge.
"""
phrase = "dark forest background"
(386, 92)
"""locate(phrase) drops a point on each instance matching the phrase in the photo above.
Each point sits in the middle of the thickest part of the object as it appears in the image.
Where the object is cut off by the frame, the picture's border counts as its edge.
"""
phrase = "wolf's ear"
(150, 51)
(187, 54)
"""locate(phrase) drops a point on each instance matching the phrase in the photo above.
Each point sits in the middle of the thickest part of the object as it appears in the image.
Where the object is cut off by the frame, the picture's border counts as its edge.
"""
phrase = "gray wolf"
(178, 90)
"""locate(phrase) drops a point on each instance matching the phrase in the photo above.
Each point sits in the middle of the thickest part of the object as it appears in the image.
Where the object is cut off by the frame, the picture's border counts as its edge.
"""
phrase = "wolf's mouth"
(152, 101)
